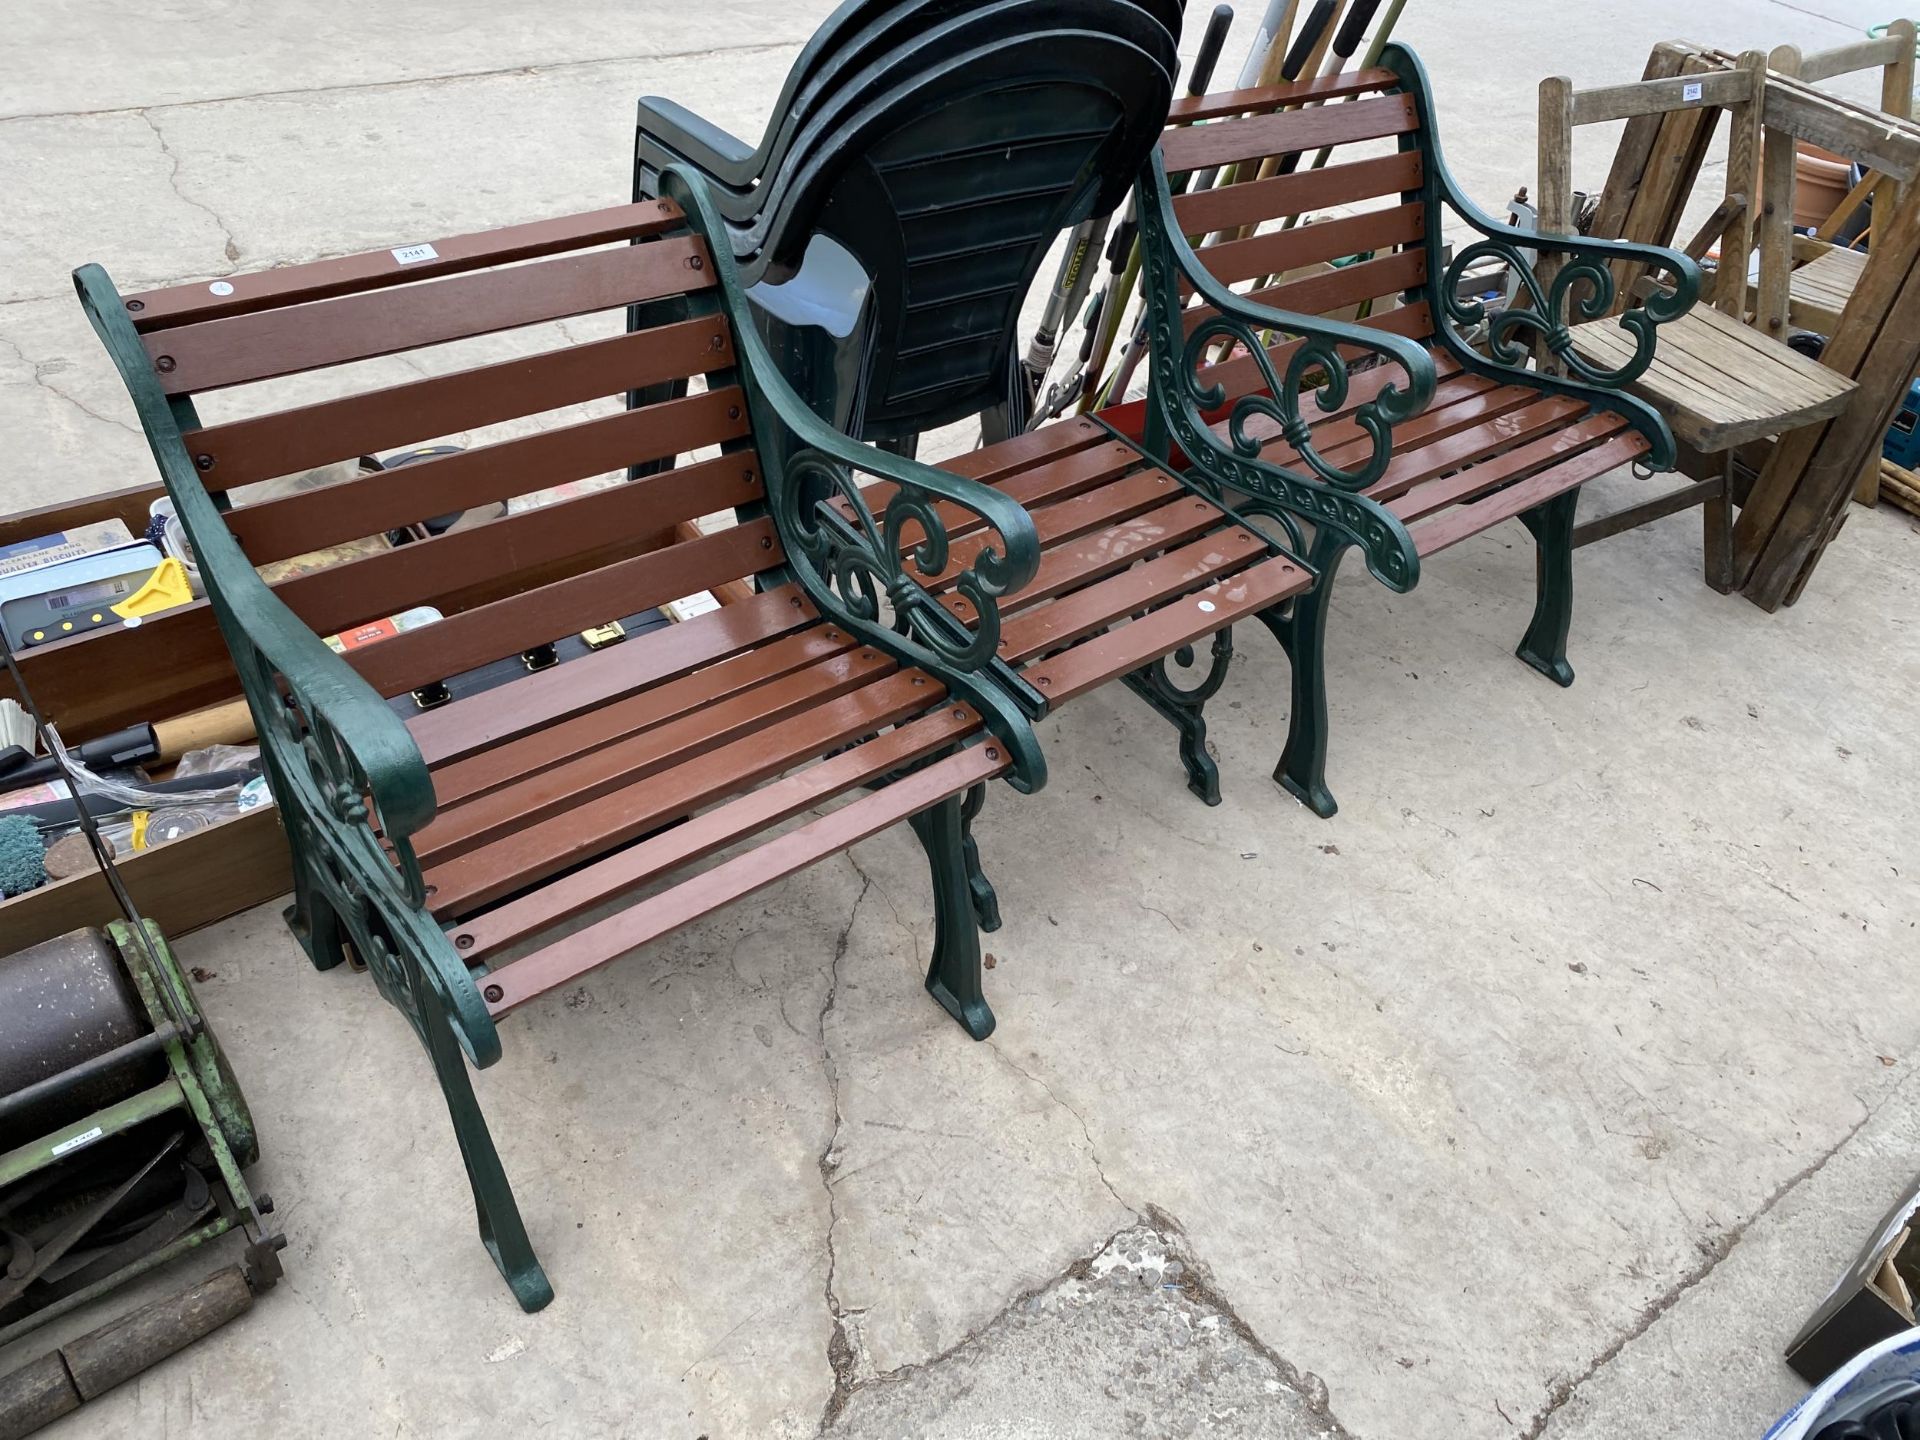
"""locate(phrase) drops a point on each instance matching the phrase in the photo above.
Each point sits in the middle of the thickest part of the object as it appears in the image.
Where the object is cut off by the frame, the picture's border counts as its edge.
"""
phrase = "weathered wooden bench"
(1498, 439)
(908, 624)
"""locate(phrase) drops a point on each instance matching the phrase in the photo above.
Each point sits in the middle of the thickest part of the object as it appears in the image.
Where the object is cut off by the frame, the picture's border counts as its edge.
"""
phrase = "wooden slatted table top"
(1721, 383)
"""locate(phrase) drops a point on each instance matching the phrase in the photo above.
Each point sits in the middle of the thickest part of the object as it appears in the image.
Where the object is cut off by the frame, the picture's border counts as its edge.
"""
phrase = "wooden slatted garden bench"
(906, 628)
(1417, 402)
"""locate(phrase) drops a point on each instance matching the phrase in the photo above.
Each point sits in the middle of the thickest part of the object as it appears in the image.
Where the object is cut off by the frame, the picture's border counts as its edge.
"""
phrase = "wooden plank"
(1159, 583)
(428, 572)
(371, 504)
(181, 886)
(486, 772)
(1860, 55)
(568, 782)
(1278, 251)
(1826, 482)
(321, 279)
(212, 354)
(584, 951)
(1657, 97)
(553, 696)
(1745, 141)
(1466, 485)
(1455, 525)
(1630, 158)
(1253, 137)
(1553, 196)
(1884, 142)
(1546, 414)
(1719, 382)
(545, 613)
(1889, 278)
(1632, 517)
(1190, 108)
(547, 847)
(308, 436)
(1223, 207)
(1331, 290)
(1189, 618)
(728, 824)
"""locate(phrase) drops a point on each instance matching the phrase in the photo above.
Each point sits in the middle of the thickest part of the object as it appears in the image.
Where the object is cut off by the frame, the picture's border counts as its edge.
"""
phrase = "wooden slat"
(1720, 382)
(307, 436)
(211, 354)
(1146, 587)
(1458, 523)
(1094, 556)
(504, 764)
(1460, 404)
(372, 504)
(1122, 651)
(1654, 97)
(1336, 289)
(1871, 137)
(1278, 251)
(427, 572)
(738, 819)
(552, 696)
(321, 279)
(544, 614)
(536, 851)
(1225, 207)
(1464, 485)
(1190, 108)
(1255, 137)
(1465, 447)
(566, 960)
(624, 760)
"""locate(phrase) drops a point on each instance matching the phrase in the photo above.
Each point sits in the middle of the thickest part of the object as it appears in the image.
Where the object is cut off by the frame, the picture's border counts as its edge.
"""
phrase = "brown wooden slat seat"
(1314, 261)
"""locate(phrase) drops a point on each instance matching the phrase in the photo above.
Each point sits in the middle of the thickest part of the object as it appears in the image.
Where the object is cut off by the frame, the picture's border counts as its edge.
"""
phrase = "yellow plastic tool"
(165, 589)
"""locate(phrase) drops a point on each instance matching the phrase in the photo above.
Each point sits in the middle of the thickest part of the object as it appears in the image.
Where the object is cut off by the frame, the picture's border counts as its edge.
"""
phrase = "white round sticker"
(220, 287)
(1206, 607)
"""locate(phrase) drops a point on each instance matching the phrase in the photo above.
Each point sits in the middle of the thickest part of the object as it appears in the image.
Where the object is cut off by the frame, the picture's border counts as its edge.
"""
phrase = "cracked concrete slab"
(1130, 1341)
(1735, 1322)
(97, 187)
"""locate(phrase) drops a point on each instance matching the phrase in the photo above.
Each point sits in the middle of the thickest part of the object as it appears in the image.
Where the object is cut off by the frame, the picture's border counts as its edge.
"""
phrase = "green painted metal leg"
(986, 904)
(954, 976)
(312, 920)
(501, 1229)
(1301, 628)
(1185, 709)
(1545, 645)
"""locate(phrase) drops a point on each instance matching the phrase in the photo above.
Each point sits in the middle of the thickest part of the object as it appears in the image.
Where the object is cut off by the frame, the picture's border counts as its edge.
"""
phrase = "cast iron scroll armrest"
(350, 784)
(868, 572)
(1582, 290)
(1180, 401)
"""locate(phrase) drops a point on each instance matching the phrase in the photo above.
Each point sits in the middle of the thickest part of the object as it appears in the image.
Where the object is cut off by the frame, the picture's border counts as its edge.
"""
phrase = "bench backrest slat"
(1254, 137)
(213, 354)
(305, 437)
(553, 423)
(1304, 191)
(378, 269)
(387, 500)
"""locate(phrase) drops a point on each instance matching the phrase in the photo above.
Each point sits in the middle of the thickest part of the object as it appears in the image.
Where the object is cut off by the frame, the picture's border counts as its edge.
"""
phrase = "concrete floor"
(1548, 1085)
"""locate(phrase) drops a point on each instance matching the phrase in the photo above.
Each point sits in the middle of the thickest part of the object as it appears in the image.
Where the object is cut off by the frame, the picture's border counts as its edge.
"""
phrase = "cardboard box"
(1872, 1301)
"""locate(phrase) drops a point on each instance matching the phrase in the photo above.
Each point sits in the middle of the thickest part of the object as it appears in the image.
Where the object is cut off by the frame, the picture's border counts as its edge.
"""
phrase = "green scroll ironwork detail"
(1179, 402)
(1583, 289)
(351, 789)
(869, 572)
